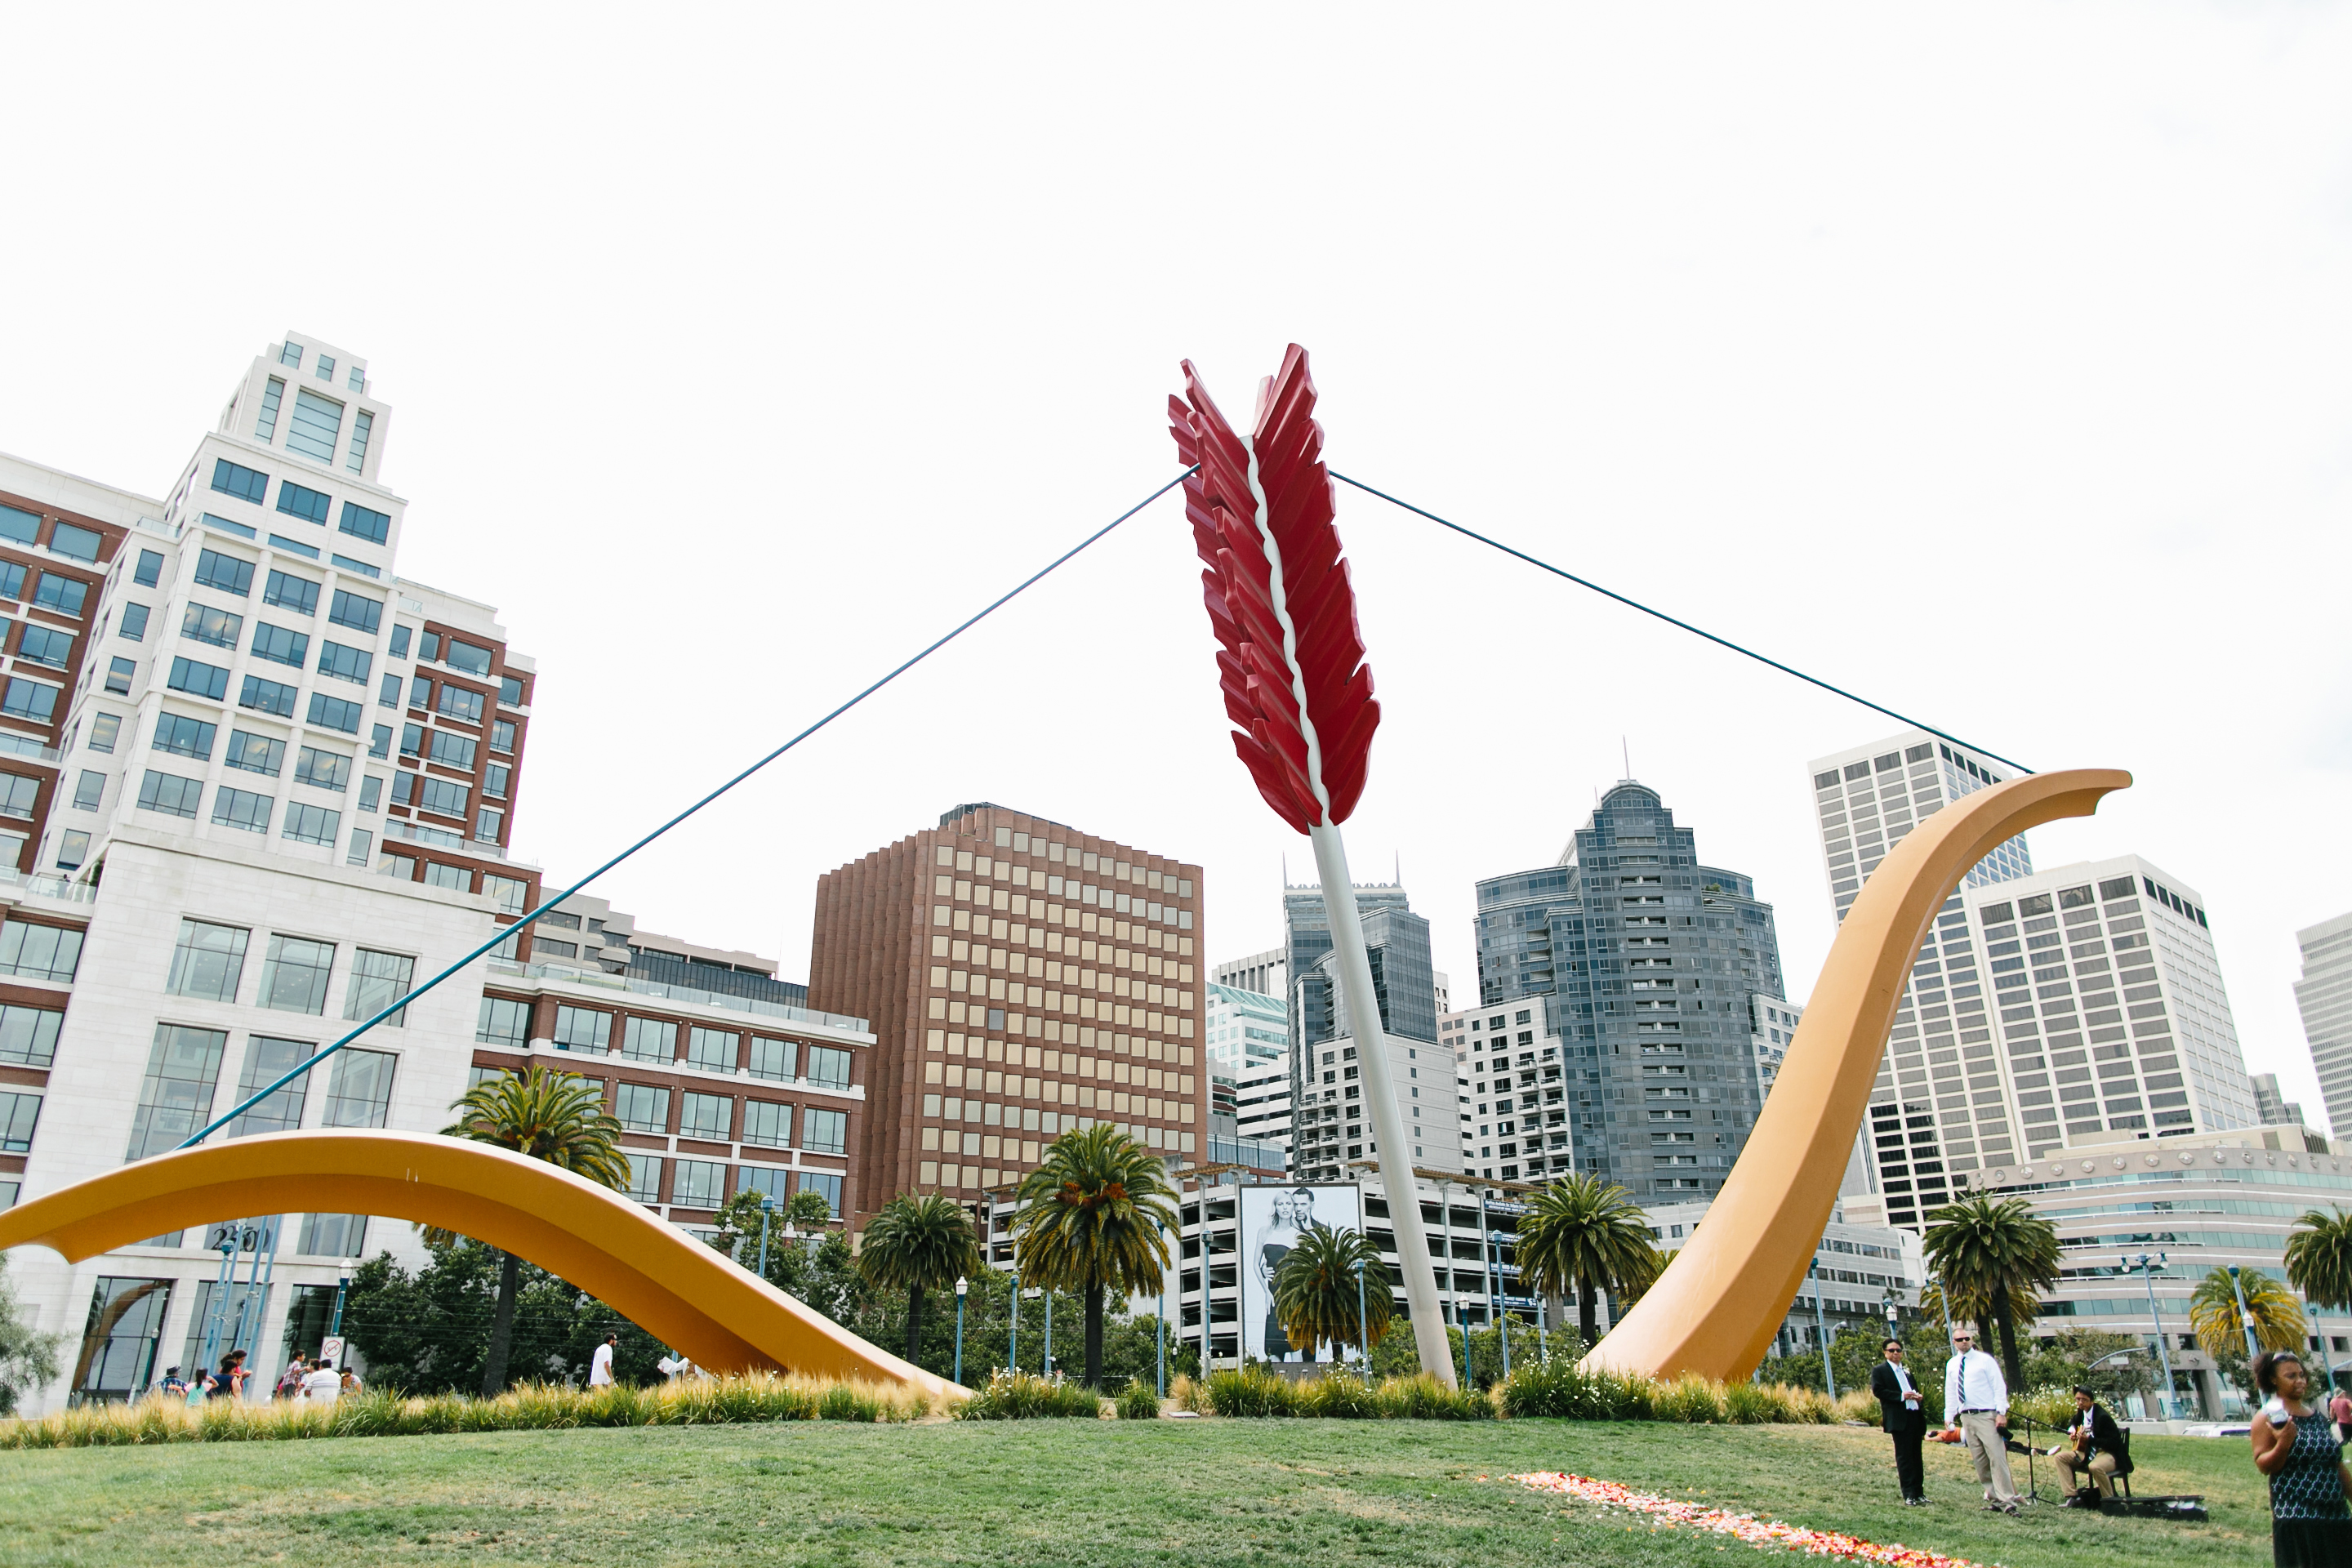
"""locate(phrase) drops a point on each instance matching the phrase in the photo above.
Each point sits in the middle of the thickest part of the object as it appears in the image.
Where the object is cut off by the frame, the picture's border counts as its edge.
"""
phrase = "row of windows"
(646, 1107)
(233, 575)
(277, 644)
(507, 1023)
(702, 1183)
(262, 695)
(51, 590)
(68, 540)
(1062, 854)
(208, 965)
(175, 1096)
(37, 644)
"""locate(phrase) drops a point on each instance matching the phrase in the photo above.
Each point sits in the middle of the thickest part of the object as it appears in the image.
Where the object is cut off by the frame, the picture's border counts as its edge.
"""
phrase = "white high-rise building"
(1771, 1025)
(1510, 1074)
(2324, 995)
(264, 788)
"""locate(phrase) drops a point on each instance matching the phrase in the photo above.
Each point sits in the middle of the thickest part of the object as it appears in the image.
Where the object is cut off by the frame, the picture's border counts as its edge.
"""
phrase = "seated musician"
(2093, 1444)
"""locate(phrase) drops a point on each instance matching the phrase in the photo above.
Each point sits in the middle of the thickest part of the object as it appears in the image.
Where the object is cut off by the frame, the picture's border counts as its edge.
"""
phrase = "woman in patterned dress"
(2311, 1525)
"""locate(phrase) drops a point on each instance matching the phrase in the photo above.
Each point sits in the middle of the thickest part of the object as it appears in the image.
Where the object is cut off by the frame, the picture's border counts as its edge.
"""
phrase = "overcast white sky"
(1993, 363)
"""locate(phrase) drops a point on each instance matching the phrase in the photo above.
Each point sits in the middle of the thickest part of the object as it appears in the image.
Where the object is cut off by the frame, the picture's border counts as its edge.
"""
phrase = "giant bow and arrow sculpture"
(1290, 660)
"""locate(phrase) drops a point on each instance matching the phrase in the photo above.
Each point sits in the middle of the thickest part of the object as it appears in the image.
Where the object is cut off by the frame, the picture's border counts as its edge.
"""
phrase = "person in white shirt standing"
(1977, 1396)
(600, 1366)
(324, 1386)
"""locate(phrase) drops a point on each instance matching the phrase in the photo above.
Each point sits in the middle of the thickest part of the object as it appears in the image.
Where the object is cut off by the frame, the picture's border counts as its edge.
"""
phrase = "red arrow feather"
(1278, 596)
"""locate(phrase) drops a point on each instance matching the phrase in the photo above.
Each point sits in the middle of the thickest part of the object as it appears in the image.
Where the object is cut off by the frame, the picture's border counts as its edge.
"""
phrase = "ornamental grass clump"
(1024, 1396)
(1189, 1392)
(1251, 1391)
(1565, 1390)
(1138, 1402)
(1421, 1397)
(1339, 1395)
(750, 1398)
(1690, 1398)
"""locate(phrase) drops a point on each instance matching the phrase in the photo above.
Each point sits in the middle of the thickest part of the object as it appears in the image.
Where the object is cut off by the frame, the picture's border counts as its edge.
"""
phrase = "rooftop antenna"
(1400, 867)
(1628, 750)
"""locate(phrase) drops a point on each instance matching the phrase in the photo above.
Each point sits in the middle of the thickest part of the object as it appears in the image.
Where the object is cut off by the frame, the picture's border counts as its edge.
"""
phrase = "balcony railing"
(687, 993)
(43, 887)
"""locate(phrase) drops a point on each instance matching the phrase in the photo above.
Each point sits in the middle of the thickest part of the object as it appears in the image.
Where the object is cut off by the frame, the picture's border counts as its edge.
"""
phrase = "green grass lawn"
(1191, 1492)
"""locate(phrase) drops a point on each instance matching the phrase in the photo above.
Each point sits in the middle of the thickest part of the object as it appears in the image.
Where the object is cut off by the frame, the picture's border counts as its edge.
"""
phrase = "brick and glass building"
(1022, 978)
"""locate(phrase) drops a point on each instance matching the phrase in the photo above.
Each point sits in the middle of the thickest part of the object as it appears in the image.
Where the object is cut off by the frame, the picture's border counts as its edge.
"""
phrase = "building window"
(18, 795)
(184, 737)
(200, 679)
(12, 580)
(272, 696)
(265, 429)
(333, 1235)
(45, 645)
(340, 663)
(501, 1022)
(170, 794)
(134, 624)
(299, 594)
(712, 1050)
(19, 1112)
(453, 750)
(290, 353)
(700, 1184)
(300, 501)
(359, 1093)
(362, 841)
(336, 713)
(118, 674)
(380, 746)
(363, 422)
(237, 480)
(443, 797)
(650, 1040)
(103, 729)
(73, 848)
(266, 1061)
(388, 694)
(278, 645)
(642, 1108)
(75, 543)
(583, 1029)
(307, 824)
(378, 980)
(90, 790)
(29, 1035)
(311, 433)
(823, 1132)
(30, 699)
(400, 642)
(495, 780)
(294, 975)
(511, 693)
(488, 824)
(707, 1116)
(775, 1059)
(254, 754)
(323, 769)
(767, 1124)
(509, 891)
(175, 1097)
(361, 522)
(207, 962)
(66, 595)
(826, 1186)
(438, 874)
(234, 807)
(40, 953)
(225, 574)
(465, 656)
(644, 1178)
(356, 611)
(204, 624)
(403, 788)
(828, 1067)
(20, 525)
(327, 367)
(458, 702)
(149, 570)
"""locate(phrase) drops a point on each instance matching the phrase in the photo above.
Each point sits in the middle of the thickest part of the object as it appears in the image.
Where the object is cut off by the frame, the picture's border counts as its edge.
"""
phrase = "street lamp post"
(767, 1211)
(2319, 1333)
(1364, 1324)
(1047, 1365)
(1014, 1354)
(1160, 1329)
(1503, 1318)
(1820, 1330)
(335, 1319)
(963, 1285)
(2245, 1317)
(2163, 1356)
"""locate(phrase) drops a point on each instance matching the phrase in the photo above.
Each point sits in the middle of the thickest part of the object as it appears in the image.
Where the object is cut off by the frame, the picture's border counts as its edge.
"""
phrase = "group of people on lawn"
(2298, 1445)
(312, 1380)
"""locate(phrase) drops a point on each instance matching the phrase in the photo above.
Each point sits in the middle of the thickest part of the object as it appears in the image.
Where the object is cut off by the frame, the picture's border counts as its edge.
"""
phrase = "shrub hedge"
(1026, 1396)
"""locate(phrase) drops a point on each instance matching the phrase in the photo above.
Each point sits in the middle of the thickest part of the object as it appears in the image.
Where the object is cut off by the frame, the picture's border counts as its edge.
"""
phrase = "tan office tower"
(1022, 978)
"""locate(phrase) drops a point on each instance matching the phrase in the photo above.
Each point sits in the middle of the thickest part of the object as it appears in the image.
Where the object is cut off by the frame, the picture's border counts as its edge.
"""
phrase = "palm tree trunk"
(914, 1321)
(494, 1362)
(2008, 1331)
(1094, 1335)
(1587, 1319)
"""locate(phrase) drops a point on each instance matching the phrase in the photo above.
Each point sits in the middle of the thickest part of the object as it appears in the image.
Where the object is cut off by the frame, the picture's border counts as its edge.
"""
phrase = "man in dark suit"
(1904, 1416)
(2093, 1445)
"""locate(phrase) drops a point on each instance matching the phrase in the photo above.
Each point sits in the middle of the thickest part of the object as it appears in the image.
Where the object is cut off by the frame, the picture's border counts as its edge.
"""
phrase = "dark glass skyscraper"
(1329, 1121)
(1651, 960)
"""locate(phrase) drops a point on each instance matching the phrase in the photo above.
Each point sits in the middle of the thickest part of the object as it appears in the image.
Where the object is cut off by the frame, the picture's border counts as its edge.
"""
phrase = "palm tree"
(915, 1244)
(1992, 1257)
(2213, 1312)
(1585, 1234)
(1315, 1289)
(1094, 1217)
(2319, 1258)
(553, 1116)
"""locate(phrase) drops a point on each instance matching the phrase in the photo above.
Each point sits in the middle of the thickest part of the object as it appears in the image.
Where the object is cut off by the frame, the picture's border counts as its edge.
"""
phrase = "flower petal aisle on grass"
(1764, 1534)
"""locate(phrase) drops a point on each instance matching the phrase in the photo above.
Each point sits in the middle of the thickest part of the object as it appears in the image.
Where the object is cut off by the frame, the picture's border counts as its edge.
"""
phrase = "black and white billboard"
(1273, 1217)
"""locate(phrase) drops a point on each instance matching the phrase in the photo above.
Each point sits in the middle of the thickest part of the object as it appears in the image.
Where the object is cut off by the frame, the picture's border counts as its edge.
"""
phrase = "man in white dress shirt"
(600, 1365)
(1977, 1396)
